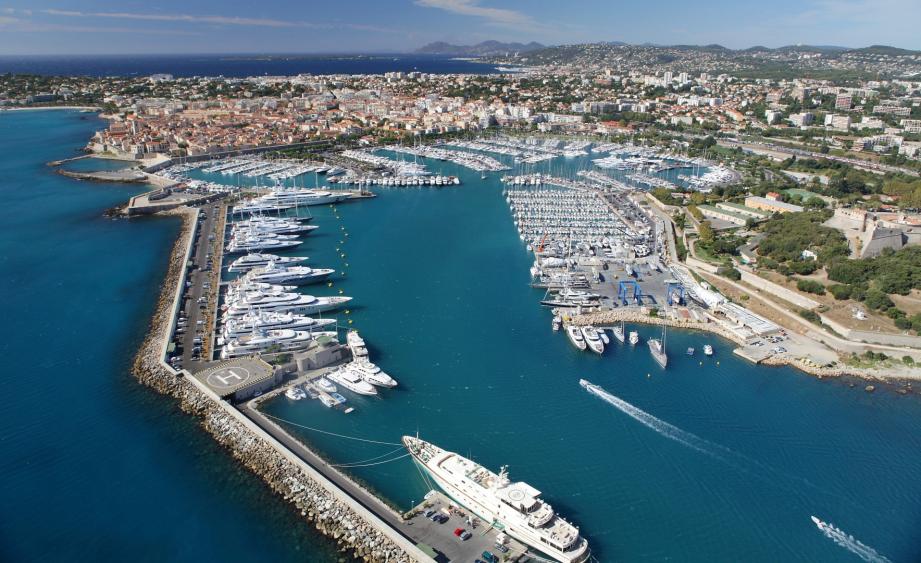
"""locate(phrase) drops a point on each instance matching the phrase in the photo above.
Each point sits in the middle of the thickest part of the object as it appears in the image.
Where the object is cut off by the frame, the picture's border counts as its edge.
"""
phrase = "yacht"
(351, 380)
(301, 196)
(513, 507)
(556, 323)
(277, 340)
(293, 302)
(326, 385)
(250, 243)
(256, 260)
(328, 401)
(592, 339)
(575, 336)
(246, 324)
(619, 333)
(372, 374)
(301, 275)
(603, 336)
(708, 350)
(634, 338)
(295, 393)
(356, 344)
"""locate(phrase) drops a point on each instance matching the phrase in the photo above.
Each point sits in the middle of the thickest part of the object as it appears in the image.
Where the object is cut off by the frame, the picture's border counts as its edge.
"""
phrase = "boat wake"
(669, 431)
(849, 542)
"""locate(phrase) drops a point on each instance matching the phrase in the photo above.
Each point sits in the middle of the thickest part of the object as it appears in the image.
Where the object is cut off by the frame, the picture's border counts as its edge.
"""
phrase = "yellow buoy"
(350, 321)
(346, 264)
(648, 375)
(717, 363)
(337, 249)
(342, 255)
(330, 284)
(701, 363)
(347, 311)
(340, 291)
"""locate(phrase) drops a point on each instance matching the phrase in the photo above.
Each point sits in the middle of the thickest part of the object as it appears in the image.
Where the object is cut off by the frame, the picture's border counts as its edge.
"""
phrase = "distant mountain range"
(484, 49)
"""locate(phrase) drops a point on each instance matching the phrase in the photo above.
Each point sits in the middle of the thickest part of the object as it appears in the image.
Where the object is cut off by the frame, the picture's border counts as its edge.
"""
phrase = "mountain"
(885, 50)
(486, 48)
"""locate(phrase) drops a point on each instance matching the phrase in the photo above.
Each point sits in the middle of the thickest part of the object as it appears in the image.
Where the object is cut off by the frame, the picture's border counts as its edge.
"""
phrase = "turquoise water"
(730, 465)
(94, 467)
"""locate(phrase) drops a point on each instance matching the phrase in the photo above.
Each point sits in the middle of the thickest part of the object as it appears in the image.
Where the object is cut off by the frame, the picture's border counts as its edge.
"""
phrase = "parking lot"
(480, 535)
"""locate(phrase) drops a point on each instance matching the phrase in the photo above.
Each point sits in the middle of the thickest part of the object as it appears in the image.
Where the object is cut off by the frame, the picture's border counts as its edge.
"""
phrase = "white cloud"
(214, 20)
(495, 16)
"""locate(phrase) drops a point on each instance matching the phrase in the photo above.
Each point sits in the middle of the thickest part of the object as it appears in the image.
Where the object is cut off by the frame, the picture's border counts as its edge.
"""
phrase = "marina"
(456, 350)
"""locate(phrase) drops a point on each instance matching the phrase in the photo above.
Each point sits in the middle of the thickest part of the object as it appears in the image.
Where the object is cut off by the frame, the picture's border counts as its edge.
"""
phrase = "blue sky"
(304, 26)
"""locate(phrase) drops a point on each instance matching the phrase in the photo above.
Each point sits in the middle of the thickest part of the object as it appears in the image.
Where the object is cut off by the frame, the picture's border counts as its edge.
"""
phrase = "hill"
(486, 48)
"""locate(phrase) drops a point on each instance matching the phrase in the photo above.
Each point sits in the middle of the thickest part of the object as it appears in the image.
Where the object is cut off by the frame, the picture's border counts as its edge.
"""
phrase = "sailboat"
(657, 348)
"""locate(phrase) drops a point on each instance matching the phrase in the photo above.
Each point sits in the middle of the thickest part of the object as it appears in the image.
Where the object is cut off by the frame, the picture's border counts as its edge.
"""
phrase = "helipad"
(235, 377)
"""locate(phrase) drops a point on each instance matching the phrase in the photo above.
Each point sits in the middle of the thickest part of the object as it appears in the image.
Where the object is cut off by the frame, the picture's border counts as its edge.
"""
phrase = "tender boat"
(556, 323)
(690, 351)
(326, 385)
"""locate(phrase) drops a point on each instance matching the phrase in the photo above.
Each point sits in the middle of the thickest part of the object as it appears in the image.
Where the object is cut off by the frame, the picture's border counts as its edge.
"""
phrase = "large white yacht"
(249, 243)
(301, 196)
(512, 507)
(300, 275)
(294, 302)
(279, 340)
(372, 374)
(272, 321)
(256, 260)
(351, 380)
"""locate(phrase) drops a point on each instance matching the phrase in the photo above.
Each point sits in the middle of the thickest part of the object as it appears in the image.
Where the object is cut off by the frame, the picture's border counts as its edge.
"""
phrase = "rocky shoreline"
(316, 504)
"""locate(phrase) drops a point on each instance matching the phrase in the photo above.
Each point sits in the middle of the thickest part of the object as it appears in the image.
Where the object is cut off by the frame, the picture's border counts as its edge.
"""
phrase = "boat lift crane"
(674, 293)
(622, 289)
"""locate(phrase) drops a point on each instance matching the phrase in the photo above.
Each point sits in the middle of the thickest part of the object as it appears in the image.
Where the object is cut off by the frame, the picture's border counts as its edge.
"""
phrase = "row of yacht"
(473, 161)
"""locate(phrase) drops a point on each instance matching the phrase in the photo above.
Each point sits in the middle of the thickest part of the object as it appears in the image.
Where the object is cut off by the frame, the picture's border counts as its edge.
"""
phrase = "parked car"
(489, 557)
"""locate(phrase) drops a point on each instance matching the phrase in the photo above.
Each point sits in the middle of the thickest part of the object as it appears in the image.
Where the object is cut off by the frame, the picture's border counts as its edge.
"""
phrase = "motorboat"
(634, 338)
(295, 393)
(708, 350)
(351, 380)
(325, 385)
(576, 337)
(592, 339)
(356, 344)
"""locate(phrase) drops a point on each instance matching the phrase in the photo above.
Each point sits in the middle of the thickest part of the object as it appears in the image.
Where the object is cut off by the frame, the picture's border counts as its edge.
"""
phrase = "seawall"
(355, 529)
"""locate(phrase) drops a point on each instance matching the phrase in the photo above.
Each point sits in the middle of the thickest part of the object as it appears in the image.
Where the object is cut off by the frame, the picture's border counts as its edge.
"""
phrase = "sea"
(711, 459)
(236, 66)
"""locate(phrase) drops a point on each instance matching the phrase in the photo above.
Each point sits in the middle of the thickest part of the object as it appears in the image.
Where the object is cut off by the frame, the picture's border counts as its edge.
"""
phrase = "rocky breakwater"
(320, 506)
(613, 316)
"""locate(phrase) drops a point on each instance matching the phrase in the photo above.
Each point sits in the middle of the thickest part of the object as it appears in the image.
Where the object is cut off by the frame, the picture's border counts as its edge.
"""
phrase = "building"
(771, 205)
(802, 119)
(843, 102)
(240, 378)
(838, 121)
(772, 117)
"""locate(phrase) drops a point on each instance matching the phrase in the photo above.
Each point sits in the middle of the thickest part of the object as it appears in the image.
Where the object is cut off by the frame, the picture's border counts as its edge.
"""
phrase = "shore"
(607, 318)
(40, 108)
(315, 502)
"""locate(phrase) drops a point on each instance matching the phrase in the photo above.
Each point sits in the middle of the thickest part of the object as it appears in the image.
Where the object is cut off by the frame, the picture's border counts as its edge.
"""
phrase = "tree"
(810, 286)
(705, 230)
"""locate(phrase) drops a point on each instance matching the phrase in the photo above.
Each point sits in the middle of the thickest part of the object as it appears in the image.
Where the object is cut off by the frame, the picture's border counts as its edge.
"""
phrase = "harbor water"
(712, 459)
(93, 466)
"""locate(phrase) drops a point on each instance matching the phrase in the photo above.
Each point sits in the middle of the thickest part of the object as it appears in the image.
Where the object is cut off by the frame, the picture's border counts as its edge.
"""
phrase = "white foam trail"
(648, 420)
(849, 542)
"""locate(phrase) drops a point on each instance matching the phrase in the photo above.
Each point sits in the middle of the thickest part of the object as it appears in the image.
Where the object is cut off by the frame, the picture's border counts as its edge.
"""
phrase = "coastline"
(92, 108)
(617, 315)
(332, 517)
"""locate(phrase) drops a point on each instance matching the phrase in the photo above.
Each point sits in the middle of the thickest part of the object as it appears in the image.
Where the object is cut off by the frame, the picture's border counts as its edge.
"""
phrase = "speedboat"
(592, 339)
(575, 336)
(690, 351)
(372, 374)
(351, 380)
(708, 350)
(556, 323)
(338, 398)
(328, 401)
(634, 337)
(604, 337)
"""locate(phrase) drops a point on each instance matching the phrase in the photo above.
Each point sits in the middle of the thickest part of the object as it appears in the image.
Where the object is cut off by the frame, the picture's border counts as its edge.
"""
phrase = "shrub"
(810, 286)
(810, 316)
(840, 292)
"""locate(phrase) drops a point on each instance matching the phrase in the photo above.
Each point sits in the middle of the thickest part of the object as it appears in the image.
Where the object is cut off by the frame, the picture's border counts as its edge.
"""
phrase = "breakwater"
(327, 509)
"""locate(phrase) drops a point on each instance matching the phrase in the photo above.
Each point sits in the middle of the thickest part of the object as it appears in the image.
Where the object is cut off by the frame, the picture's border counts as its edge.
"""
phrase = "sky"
(377, 26)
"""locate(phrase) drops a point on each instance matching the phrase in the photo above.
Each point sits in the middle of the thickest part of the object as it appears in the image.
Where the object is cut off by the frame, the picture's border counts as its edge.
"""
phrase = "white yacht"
(280, 340)
(619, 333)
(513, 507)
(246, 324)
(708, 350)
(301, 196)
(372, 374)
(356, 344)
(657, 349)
(351, 380)
(576, 337)
(295, 393)
(634, 338)
(276, 226)
(300, 275)
(293, 302)
(592, 339)
(251, 243)
(256, 260)
(326, 385)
